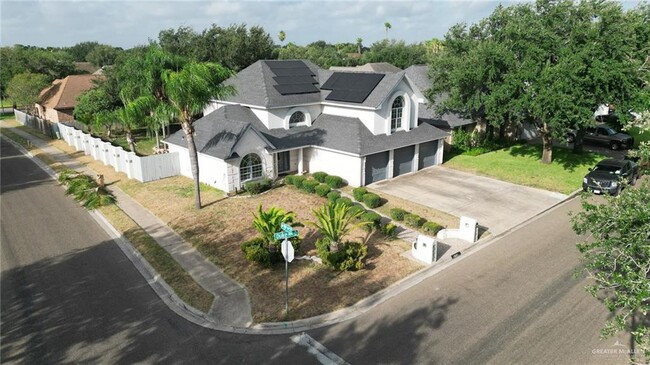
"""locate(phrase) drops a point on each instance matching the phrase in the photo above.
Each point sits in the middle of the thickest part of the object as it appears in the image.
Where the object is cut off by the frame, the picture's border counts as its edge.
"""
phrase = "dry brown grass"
(218, 229)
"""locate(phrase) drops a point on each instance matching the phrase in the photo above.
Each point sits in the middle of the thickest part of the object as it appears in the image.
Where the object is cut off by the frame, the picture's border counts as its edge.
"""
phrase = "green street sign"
(287, 232)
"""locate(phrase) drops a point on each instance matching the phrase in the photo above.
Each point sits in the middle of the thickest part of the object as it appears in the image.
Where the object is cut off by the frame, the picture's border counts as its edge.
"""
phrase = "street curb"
(274, 328)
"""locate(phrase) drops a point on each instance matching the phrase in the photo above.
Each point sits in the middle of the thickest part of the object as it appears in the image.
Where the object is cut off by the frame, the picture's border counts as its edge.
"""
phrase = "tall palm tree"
(387, 26)
(188, 91)
(282, 36)
(359, 45)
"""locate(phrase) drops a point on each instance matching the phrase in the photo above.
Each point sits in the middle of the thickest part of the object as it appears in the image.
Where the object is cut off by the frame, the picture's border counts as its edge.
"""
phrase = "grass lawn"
(143, 145)
(521, 165)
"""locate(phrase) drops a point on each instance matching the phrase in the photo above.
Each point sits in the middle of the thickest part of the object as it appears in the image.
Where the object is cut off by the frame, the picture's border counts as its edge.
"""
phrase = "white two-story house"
(293, 117)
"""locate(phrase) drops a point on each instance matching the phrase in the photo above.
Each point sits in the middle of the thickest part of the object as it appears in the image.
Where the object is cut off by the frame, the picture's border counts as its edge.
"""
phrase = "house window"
(396, 114)
(250, 167)
(297, 118)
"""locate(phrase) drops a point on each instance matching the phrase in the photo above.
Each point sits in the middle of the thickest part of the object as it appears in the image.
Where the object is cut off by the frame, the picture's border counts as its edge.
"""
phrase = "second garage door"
(403, 160)
(376, 167)
(427, 154)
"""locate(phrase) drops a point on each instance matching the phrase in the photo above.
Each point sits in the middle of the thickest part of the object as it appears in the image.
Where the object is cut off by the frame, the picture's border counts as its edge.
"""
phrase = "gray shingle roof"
(419, 75)
(218, 132)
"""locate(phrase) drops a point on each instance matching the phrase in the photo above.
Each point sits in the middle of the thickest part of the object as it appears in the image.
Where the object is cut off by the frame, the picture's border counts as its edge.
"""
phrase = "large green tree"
(549, 63)
(616, 254)
(397, 53)
(24, 89)
(188, 91)
(103, 55)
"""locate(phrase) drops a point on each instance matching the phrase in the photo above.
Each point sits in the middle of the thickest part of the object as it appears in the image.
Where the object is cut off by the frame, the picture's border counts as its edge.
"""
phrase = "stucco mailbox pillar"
(425, 249)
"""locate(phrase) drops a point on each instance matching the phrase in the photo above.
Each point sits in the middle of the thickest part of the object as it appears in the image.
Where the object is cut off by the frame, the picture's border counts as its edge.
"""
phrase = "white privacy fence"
(145, 168)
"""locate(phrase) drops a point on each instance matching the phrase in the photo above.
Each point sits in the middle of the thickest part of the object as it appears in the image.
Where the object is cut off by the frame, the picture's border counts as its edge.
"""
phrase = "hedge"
(256, 187)
(334, 181)
(320, 176)
(309, 185)
(349, 256)
(358, 193)
(298, 180)
(389, 229)
(373, 218)
(413, 220)
(371, 200)
(398, 214)
(288, 180)
(356, 209)
(333, 196)
(346, 201)
(322, 189)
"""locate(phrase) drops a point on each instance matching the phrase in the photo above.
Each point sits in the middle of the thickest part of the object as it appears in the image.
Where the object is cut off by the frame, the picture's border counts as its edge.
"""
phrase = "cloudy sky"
(129, 23)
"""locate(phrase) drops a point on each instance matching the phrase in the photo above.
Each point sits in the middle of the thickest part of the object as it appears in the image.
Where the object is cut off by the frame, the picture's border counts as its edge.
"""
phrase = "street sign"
(287, 250)
(285, 227)
(287, 232)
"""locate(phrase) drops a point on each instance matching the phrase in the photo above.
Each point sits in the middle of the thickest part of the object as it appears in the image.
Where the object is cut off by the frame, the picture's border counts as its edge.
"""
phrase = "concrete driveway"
(496, 205)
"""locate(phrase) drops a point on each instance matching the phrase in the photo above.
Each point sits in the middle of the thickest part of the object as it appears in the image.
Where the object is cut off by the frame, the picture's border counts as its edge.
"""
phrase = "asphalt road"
(70, 296)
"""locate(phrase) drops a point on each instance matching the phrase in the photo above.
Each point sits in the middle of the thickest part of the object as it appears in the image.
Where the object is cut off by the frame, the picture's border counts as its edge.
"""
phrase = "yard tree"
(188, 91)
(359, 45)
(397, 53)
(103, 55)
(24, 88)
(92, 108)
(549, 63)
(282, 36)
(387, 26)
(616, 252)
(80, 50)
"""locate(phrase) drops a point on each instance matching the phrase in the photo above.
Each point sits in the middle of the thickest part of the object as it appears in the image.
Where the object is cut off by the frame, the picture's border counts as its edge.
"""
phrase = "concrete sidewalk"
(231, 307)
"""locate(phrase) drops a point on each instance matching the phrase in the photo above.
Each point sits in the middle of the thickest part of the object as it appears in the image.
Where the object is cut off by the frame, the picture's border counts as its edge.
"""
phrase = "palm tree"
(334, 221)
(282, 36)
(359, 45)
(189, 91)
(387, 26)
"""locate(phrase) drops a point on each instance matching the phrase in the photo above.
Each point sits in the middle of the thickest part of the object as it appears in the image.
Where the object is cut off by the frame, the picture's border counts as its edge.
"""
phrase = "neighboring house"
(293, 117)
(58, 100)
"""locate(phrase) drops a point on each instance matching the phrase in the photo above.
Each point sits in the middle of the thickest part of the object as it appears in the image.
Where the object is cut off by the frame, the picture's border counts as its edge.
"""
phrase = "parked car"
(608, 176)
(605, 135)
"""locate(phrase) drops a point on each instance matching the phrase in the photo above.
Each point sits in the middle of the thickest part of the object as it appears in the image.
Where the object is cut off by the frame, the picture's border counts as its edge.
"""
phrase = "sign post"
(288, 253)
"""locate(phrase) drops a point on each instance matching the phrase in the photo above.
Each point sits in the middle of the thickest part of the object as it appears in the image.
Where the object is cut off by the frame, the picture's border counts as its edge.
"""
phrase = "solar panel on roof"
(285, 64)
(303, 71)
(351, 87)
(290, 89)
(297, 79)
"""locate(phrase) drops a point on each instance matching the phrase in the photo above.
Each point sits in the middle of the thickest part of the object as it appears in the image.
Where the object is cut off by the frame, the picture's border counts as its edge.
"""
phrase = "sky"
(126, 24)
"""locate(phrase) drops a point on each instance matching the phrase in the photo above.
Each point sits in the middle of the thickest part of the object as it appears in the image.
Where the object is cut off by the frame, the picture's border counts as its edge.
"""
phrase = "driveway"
(496, 205)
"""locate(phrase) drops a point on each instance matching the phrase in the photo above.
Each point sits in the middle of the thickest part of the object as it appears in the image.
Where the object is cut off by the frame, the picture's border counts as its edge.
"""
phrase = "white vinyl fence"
(146, 168)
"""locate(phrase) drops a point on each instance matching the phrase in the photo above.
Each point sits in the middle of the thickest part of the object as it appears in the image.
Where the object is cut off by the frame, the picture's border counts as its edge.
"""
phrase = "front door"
(284, 160)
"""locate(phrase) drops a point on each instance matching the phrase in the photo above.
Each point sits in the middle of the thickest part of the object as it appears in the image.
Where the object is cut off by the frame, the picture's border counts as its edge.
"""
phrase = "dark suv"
(607, 176)
(603, 134)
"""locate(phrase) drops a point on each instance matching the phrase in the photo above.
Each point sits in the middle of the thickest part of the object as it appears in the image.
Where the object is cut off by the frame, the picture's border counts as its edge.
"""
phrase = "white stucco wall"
(212, 171)
(279, 118)
(410, 111)
(334, 163)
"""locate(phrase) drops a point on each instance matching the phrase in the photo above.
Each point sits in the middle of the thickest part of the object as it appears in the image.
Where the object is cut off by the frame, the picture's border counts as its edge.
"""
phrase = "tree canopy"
(24, 88)
(549, 63)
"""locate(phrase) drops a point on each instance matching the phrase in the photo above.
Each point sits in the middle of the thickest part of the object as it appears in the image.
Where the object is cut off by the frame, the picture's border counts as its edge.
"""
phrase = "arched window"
(296, 119)
(250, 167)
(396, 113)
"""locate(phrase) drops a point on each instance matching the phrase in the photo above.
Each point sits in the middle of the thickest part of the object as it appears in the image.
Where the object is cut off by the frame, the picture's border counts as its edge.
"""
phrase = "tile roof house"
(290, 116)
(58, 100)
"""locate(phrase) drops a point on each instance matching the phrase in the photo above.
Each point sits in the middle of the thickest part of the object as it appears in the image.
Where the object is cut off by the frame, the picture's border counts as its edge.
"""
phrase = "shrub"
(289, 179)
(322, 189)
(371, 200)
(349, 256)
(309, 185)
(431, 227)
(413, 220)
(389, 229)
(333, 196)
(357, 209)
(268, 222)
(358, 193)
(345, 201)
(373, 219)
(255, 251)
(398, 214)
(298, 180)
(334, 181)
(319, 176)
(256, 187)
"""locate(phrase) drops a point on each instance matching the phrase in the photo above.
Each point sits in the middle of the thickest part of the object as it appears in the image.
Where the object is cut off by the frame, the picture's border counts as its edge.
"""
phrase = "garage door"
(376, 167)
(428, 154)
(403, 158)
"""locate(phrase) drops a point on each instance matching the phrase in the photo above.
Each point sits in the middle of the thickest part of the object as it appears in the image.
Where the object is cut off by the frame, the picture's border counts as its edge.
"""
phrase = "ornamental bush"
(358, 193)
(333, 196)
(389, 229)
(288, 180)
(344, 200)
(334, 182)
(309, 185)
(259, 186)
(371, 200)
(398, 214)
(373, 219)
(349, 255)
(357, 209)
(255, 251)
(432, 227)
(322, 190)
(320, 176)
(298, 180)
(413, 220)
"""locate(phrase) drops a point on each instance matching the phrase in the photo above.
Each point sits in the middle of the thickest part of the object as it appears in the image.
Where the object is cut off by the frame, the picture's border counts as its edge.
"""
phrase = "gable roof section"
(427, 113)
(217, 133)
(62, 94)
(255, 85)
